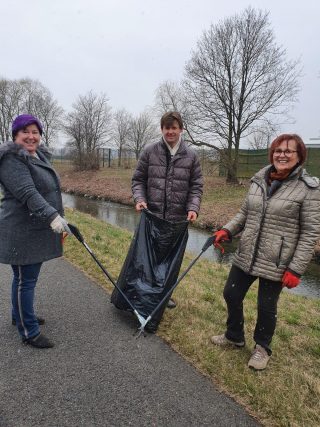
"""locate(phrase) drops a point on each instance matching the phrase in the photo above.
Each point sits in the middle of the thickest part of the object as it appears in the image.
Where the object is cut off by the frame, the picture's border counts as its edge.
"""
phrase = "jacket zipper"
(262, 220)
(168, 160)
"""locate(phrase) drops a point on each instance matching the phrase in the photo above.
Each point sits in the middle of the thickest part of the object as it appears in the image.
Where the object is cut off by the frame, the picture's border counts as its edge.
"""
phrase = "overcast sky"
(126, 48)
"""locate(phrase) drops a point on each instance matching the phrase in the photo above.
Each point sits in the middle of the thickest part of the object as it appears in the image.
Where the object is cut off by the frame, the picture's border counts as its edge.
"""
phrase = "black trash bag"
(152, 265)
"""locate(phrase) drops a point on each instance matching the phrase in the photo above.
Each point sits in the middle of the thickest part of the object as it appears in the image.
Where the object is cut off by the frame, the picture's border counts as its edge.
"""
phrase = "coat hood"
(311, 181)
(11, 147)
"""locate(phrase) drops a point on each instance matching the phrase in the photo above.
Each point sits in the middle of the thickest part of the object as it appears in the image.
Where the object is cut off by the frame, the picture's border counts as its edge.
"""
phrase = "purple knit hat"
(24, 120)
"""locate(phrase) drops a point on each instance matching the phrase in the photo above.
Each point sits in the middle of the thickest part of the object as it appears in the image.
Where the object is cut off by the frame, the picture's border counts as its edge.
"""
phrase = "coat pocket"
(278, 260)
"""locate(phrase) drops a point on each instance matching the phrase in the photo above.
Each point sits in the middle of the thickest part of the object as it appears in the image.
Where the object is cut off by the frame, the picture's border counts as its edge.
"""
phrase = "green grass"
(216, 191)
(287, 393)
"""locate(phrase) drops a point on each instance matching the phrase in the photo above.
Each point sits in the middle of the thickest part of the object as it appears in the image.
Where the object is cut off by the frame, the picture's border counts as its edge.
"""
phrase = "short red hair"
(301, 148)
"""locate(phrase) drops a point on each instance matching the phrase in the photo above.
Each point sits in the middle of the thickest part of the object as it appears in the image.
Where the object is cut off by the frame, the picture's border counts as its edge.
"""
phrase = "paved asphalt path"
(98, 374)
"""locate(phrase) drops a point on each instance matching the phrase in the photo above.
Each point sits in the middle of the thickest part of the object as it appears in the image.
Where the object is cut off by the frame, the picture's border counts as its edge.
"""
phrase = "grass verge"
(287, 393)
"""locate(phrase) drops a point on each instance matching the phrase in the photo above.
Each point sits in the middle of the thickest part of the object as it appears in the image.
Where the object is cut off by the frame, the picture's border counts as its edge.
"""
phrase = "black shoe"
(40, 320)
(40, 341)
(171, 304)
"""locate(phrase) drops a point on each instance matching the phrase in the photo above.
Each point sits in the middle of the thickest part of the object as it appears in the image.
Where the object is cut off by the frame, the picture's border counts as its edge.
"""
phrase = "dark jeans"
(23, 287)
(237, 285)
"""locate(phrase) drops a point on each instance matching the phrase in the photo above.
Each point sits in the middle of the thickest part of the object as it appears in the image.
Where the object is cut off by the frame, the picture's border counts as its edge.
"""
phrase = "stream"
(126, 217)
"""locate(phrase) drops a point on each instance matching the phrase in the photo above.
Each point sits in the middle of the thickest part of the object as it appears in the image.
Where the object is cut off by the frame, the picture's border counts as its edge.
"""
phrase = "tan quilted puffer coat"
(277, 232)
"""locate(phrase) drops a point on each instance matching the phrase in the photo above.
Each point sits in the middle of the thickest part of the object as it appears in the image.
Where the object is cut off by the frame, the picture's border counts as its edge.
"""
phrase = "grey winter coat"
(31, 200)
(279, 232)
(170, 186)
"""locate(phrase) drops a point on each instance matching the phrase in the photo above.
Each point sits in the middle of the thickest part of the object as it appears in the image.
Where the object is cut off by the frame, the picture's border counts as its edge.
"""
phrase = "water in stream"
(126, 217)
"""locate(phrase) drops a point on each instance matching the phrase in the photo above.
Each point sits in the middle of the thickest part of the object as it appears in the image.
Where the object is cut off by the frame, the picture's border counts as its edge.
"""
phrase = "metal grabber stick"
(79, 237)
(207, 244)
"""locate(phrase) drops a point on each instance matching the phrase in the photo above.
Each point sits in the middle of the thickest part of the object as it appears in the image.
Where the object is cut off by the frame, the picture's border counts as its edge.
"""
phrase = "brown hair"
(168, 118)
(301, 148)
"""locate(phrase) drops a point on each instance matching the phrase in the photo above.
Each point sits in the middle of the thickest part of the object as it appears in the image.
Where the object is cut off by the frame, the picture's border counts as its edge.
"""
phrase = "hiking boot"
(223, 341)
(259, 358)
(39, 341)
(40, 320)
(171, 303)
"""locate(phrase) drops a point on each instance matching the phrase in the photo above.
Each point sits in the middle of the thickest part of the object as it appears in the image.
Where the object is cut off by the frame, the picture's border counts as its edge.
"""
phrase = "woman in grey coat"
(31, 220)
(280, 224)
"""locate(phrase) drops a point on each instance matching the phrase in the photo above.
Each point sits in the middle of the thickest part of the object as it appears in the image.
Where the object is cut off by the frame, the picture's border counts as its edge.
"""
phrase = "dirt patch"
(93, 184)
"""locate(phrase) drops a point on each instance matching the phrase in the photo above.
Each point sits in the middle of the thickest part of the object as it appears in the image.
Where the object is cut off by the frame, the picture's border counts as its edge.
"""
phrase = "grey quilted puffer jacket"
(170, 187)
(280, 231)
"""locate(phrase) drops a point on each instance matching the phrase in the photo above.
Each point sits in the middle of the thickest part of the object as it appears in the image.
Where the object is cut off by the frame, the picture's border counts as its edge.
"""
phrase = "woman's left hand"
(290, 280)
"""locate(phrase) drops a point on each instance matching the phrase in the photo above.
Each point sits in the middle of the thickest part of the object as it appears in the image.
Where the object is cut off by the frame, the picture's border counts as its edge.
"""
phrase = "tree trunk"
(120, 156)
(232, 171)
(232, 176)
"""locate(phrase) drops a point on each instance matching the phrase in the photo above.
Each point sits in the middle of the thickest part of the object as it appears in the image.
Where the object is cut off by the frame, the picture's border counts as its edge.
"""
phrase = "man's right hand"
(140, 206)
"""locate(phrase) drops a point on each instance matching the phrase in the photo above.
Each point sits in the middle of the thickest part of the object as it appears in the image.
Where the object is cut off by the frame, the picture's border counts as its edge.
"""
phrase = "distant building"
(312, 145)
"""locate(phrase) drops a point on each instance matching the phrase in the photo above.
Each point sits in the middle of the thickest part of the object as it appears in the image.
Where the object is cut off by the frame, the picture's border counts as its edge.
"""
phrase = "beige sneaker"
(223, 341)
(259, 358)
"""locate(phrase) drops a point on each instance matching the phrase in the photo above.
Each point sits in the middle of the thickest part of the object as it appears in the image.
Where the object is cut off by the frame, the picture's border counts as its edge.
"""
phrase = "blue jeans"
(23, 287)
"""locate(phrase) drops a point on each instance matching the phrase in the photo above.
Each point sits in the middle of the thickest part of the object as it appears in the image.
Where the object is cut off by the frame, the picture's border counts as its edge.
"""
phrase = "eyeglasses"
(287, 152)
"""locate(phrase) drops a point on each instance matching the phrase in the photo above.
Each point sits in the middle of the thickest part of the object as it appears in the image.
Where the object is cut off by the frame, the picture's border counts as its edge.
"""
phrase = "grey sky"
(126, 48)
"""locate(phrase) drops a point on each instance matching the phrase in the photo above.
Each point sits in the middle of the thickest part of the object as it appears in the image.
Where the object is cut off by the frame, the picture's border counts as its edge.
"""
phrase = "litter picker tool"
(79, 237)
(207, 244)
(142, 320)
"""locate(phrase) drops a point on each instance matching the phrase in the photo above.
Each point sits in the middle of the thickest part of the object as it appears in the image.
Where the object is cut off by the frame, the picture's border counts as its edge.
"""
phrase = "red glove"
(290, 280)
(64, 235)
(220, 236)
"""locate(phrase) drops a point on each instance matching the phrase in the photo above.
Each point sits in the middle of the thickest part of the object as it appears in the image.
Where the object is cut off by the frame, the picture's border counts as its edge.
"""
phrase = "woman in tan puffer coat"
(280, 224)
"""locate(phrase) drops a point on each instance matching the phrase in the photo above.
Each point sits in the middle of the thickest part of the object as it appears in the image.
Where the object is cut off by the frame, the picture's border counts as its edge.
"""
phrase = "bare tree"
(171, 96)
(27, 96)
(11, 104)
(88, 126)
(121, 130)
(258, 140)
(142, 131)
(39, 101)
(261, 136)
(236, 76)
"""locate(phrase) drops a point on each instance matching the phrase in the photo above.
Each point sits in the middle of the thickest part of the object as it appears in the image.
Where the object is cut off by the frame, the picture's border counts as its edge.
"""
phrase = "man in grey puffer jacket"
(168, 179)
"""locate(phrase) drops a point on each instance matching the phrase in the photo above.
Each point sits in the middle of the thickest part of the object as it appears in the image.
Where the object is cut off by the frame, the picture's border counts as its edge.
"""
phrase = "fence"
(250, 161)
(110, 158)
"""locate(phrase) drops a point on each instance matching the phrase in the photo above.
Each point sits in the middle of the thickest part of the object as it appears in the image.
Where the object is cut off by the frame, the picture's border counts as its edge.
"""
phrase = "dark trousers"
(237, 285)
(23, 287)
